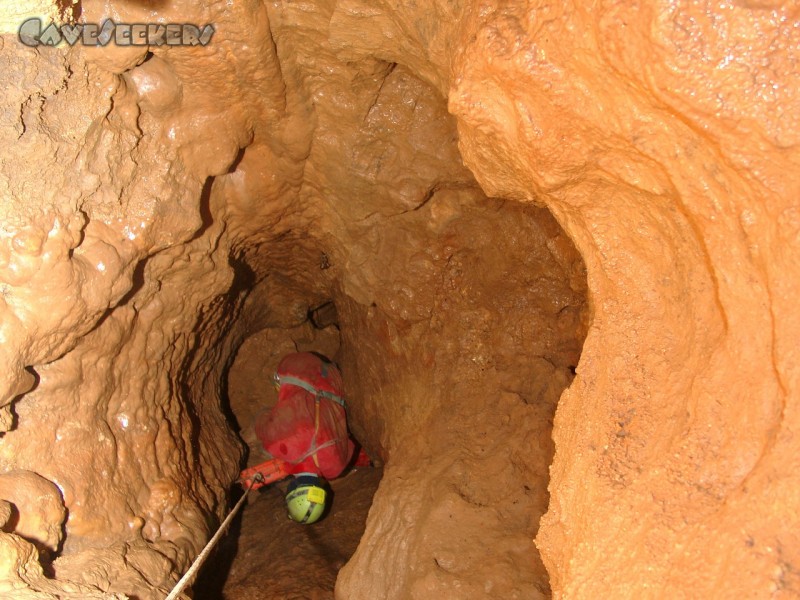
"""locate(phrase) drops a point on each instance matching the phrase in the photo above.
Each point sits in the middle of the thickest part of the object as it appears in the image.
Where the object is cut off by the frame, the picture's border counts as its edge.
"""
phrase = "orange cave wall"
(562, 239)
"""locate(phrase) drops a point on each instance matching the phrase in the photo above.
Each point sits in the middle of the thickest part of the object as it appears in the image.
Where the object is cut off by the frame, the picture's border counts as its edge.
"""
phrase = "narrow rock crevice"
(470, 338)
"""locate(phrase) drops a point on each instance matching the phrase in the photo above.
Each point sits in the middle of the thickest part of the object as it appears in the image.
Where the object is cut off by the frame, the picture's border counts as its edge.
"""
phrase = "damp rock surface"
(503, 200)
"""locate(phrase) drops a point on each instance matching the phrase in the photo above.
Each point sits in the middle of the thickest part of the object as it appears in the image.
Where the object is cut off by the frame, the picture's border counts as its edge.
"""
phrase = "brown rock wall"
(160, 208)
(681, 401)
(466, 391)
(116, 289)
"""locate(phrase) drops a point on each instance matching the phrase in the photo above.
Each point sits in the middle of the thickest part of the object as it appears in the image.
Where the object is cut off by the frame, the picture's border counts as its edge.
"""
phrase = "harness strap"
(301, 383)
(313, 451)
(314, 448)
(312, 390)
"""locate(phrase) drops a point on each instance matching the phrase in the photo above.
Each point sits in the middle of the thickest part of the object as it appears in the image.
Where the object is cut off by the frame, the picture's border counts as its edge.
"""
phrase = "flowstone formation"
(426, 169)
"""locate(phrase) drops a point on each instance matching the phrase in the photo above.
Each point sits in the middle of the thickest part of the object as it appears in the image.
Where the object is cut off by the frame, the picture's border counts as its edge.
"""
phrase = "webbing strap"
(301, 383)
(316, 431)
(312, 390)
(312, 451)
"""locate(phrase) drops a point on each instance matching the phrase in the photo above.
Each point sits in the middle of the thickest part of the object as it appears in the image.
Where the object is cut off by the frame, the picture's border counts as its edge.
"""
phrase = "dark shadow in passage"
(211, 580)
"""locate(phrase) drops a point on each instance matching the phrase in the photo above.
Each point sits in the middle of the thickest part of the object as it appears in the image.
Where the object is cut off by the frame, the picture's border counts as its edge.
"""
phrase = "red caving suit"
(307, 428)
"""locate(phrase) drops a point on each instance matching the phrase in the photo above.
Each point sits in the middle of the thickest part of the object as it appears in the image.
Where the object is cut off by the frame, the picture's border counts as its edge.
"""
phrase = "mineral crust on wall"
(117, 303)
(663, 136)
(161, 204)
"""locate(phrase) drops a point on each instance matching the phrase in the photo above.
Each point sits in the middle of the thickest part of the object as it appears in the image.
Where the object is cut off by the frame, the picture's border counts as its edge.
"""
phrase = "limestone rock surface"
(36, 510)
(478, 187)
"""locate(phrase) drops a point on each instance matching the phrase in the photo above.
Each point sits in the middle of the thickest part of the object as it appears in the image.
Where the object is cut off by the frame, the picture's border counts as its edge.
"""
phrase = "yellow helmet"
(305, 499)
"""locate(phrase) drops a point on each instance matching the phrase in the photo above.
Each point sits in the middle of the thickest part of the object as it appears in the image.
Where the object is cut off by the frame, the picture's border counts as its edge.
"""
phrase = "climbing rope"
(198, 562)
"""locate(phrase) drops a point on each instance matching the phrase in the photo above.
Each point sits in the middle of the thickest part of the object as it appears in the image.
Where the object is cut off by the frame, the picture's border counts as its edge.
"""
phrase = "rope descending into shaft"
(198, 562)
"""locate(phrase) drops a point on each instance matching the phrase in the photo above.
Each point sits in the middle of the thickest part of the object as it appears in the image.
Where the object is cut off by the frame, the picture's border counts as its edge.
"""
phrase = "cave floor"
(267, 556)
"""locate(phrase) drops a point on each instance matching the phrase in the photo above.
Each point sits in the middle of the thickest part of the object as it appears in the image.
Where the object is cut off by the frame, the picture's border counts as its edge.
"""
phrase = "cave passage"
(501, 340)
(304, 199)
(174, 217)
(265, 555)
(459, 321)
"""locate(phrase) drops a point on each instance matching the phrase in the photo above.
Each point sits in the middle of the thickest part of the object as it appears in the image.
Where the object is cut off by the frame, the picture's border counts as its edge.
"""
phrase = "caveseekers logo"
(32, 34)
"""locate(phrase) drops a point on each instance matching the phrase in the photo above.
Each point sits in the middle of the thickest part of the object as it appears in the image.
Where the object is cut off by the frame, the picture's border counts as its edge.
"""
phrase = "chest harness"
(318, 394)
